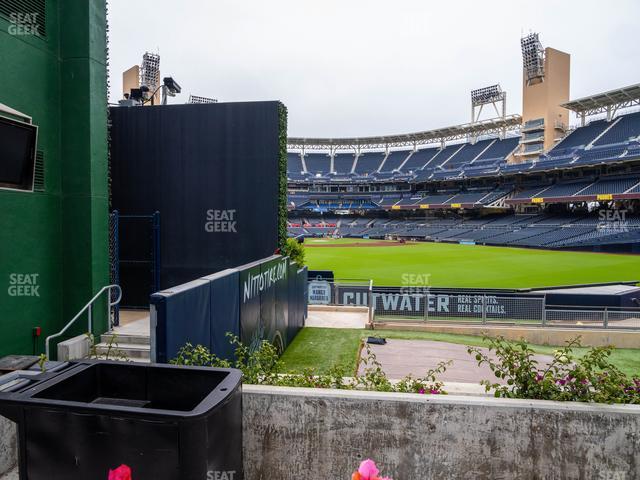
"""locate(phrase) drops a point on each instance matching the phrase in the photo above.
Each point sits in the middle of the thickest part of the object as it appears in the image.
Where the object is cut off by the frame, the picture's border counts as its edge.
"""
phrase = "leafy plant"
(295, 251)
(112, 352)
(590, 378)
(283, 212)
(42, 362)
(262, 366)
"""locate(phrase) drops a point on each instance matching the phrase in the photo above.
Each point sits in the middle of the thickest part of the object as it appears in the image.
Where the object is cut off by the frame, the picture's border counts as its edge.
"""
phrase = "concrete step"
(125, 338)
(130, 350)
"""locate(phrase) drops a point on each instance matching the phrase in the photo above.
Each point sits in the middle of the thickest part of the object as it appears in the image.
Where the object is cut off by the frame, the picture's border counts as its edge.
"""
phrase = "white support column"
(304, 164)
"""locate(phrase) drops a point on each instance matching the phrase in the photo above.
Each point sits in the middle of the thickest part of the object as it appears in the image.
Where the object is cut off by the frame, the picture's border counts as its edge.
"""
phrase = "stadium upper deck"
(599, 142)
(512, 162)
(585, 165)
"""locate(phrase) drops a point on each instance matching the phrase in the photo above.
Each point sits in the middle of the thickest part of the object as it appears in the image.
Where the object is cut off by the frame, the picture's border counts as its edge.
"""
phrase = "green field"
(453, 265)
(323, 348)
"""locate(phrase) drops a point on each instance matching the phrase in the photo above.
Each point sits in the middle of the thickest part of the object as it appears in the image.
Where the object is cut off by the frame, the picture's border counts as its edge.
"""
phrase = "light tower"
(491, 95)
(150, 75)
(545, 87)
(199, 99)
(532, 58)
(146, 76)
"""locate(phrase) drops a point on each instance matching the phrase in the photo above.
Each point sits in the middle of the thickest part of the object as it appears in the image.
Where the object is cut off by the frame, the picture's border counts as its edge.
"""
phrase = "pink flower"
(421, 391)
(368, 469)
(434, 391)
(123, 472)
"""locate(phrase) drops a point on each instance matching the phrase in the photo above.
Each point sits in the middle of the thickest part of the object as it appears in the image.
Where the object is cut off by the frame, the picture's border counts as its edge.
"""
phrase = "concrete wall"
(8, 445)
(292, 433)
(324, 434)
(75, 348)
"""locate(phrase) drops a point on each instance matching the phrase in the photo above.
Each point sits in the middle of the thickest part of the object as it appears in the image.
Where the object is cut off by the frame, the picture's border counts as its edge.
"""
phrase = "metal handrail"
(89, 306)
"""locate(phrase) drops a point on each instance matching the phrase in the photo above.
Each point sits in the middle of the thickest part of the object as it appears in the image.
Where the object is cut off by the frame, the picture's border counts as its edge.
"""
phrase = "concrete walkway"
(400, 358)
(337, 317)
(134, 322)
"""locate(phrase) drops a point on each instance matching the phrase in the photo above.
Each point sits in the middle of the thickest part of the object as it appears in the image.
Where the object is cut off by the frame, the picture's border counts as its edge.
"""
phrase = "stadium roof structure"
(606, 102)
(483, 127)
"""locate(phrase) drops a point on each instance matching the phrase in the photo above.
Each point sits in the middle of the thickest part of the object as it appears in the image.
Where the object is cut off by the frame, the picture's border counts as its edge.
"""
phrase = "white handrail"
(88, 306)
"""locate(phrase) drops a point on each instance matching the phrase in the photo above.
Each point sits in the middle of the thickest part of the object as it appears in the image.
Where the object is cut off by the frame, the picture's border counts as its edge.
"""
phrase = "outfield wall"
(212, 171)
(264, 300)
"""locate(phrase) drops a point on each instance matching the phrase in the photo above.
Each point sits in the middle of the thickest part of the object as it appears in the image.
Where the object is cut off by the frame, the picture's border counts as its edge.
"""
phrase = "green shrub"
(590, 378)
(295, 251)
(263, 367)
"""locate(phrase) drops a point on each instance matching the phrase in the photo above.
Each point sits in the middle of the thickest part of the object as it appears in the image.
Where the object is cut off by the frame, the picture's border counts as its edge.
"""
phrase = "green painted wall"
(60, 234)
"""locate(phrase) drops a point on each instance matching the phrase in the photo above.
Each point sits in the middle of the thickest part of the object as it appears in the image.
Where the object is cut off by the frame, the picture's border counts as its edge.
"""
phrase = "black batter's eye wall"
(213, 173)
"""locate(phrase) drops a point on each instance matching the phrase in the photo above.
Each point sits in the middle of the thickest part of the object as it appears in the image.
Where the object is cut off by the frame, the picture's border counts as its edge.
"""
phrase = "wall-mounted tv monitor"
(17, 154)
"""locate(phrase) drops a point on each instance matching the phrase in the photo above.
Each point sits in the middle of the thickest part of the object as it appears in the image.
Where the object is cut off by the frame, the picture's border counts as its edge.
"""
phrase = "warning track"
(381, 243)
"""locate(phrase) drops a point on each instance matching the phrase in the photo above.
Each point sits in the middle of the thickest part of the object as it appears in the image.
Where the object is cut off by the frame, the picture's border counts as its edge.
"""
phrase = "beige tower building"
(148, 74)
(545, 86)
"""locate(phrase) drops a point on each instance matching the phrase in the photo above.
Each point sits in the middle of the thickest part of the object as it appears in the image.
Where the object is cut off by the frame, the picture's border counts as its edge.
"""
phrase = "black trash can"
(165, 422)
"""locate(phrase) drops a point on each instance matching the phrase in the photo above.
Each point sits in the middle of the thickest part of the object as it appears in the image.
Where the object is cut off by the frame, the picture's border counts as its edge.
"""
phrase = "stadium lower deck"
(524, 230)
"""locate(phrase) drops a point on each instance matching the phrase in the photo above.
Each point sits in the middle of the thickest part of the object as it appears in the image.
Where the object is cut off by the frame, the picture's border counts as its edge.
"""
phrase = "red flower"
(123, 472)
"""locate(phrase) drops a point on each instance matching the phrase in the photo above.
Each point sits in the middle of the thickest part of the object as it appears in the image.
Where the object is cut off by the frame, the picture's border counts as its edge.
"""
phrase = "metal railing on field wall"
(497, 309)
(423, 304)
(594, 317)
(457, 308)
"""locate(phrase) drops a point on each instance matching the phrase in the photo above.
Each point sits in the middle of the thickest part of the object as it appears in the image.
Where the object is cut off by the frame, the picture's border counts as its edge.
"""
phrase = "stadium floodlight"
(482, 96)
(150, 71)
(493, 95)
(199, 99)
(532, 58)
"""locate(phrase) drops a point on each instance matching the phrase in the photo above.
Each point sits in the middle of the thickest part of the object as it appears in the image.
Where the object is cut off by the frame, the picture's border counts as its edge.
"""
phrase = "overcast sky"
(370, 67)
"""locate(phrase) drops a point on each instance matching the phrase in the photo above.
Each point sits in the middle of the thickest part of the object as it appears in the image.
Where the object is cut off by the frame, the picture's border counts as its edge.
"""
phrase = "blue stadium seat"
(318, 163)
(500, 149)
(419, 159)
(294, 163)
(394, 160)
(343, 163)
(580, 137)
(369, 162)
(626, 127)
(617, 185)
(468, 153)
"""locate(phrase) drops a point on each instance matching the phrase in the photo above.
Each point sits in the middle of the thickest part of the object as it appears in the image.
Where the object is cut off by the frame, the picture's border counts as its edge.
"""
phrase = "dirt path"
(414, 357)
(381, 243)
